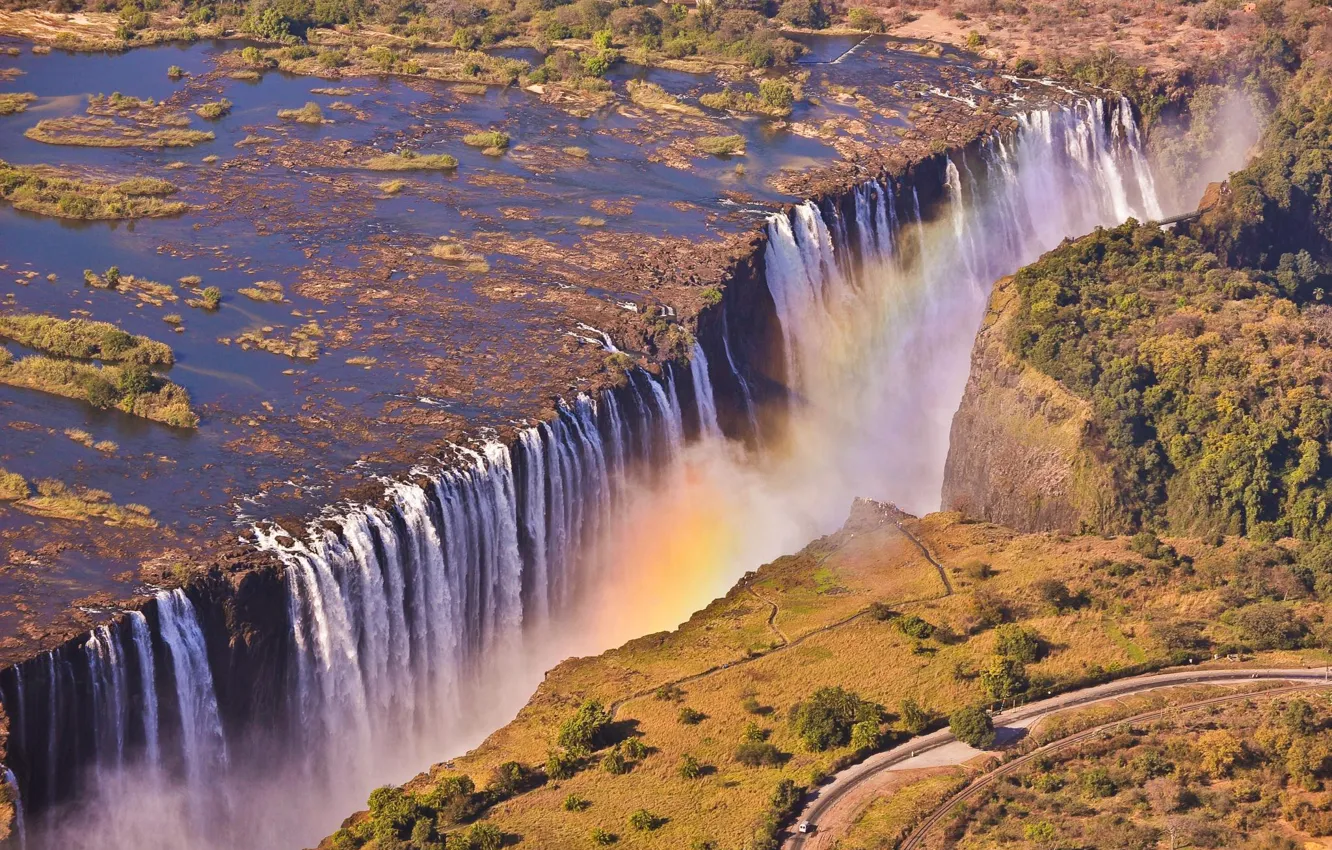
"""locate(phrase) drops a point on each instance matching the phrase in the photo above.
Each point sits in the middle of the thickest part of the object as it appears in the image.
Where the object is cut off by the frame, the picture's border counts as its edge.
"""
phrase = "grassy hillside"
(864, 610)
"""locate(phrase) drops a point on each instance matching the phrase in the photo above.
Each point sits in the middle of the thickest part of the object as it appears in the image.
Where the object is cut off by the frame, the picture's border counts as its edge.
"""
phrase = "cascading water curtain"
(877, 314)
(87, 720)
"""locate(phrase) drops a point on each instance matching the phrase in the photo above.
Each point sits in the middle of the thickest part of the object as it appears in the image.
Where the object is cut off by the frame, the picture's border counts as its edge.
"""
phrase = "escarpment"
(1019, 451)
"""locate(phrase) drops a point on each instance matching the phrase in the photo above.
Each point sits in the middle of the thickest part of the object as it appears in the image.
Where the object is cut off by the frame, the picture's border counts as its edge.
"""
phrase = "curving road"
(834, 809)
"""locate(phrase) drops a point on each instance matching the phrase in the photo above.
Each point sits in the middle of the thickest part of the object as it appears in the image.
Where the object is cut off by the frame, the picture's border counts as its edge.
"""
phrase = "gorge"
(391, 632)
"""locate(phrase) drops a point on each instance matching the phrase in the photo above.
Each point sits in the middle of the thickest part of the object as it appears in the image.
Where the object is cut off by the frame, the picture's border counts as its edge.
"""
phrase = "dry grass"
(213, 110)
(12, 486)
(264, 290)
(721, 145)
(42, 190)
(107, 133)
(412, 161)
(57, 500)
(450, 250)
(310, 113)
(12, 103)
(100, 386)
(392, 187)
(654, 97)
(576, 152)
(301, 343)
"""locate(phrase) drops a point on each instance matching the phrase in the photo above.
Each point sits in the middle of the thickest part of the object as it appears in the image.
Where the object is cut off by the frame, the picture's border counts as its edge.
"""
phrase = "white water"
(422, 625)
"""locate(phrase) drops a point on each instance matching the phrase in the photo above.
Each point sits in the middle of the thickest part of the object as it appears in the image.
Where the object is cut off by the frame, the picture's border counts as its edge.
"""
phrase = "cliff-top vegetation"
(823, 657)
(1204, 357)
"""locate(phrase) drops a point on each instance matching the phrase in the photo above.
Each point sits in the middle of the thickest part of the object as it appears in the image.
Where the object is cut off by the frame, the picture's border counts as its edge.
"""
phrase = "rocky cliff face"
(1020, 448)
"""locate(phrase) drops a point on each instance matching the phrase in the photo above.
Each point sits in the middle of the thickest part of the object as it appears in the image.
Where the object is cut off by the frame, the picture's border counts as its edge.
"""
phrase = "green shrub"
(689, 767)
(561, 765)
(972, 725)
(585, 730)
(1018, 643)
(758, 754)
(690, 717)
(644, 821)
(913, 626)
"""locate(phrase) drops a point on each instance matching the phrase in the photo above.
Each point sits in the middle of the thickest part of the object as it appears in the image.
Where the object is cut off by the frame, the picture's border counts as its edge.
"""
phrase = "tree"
(1015, 642)
(865, 735)
(825, 721)
(584, 732)
(913, 718)
(134, 379)
(1004, 677)
(1220, 750)
(972, 725)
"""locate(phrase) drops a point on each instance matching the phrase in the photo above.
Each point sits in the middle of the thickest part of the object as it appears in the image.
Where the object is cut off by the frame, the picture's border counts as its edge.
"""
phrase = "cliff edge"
(1019, 452)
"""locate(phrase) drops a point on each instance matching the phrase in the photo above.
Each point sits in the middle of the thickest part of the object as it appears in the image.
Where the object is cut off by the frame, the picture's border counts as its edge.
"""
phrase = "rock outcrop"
(1020, 450)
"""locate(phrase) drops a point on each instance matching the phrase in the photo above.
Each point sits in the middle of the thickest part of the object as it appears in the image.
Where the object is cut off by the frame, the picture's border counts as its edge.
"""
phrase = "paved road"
(838, 803)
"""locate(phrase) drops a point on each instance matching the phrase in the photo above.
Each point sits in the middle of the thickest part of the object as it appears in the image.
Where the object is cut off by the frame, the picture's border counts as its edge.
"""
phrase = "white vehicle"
(805, 826)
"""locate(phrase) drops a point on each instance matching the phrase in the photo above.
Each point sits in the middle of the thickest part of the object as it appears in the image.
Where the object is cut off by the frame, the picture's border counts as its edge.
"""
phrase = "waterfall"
(86, 725)
(877, 359)
(410, 615)
(750, 412)
(16, 799)
(707, 404)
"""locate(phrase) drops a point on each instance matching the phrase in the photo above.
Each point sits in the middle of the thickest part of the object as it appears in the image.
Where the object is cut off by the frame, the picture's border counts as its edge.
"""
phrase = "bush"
(690, 717)
(881, 612)
(561, 765)
(689, 767)
(1096, 783)
(913, 626)
(972, 726)
(212, 298)
(614, 762)
(758, 754)
(602, 838)
(863, 19)
(776, 94)
(721, 145)
(135, 379)
(509, 778)
(644, 821)
(484, 836)
(575, 803)
(489, 139)
(1020, 644)
(586, 730)
(1212, 15)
